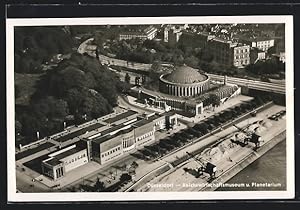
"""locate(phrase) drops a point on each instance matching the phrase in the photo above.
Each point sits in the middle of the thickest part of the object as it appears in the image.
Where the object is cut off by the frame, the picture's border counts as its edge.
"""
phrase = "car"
(163, 144)
(172, 142)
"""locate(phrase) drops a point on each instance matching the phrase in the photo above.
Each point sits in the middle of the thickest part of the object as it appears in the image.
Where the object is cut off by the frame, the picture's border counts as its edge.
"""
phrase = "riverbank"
(245, 162)
(270, 168)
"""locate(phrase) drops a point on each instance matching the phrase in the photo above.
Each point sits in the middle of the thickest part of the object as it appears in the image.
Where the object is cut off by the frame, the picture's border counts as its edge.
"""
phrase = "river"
(270, 168)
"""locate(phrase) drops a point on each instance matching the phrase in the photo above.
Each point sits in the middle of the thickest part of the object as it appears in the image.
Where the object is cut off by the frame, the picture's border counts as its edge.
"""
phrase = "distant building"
(279, 56)
(256, 55)
(172, 34)
(262, 43)
(229, 53)
(282, 57)
(140, 33)
(204, 37)
(280, 39)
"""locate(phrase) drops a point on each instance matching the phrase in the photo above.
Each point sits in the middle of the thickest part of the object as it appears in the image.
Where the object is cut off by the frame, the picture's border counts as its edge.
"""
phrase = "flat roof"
(142, 122)
(53, 162)
(102, 139)
(32, 151)
(120, 116)
(79, 132)
(67, 153)
(248, 37)
(206, 95)
(112, 129)
(169, 113)
(154, 117)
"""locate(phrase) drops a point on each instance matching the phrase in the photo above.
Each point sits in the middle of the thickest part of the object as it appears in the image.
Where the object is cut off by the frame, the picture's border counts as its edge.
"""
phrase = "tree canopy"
(37, 45)
(79, 86)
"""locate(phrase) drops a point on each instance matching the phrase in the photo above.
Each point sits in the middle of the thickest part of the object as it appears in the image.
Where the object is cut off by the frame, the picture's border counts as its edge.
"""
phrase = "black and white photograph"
(150, 108)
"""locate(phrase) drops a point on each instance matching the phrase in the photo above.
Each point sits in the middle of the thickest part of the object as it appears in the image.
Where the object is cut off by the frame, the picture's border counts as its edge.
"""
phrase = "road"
(252, 84)
(177, 177)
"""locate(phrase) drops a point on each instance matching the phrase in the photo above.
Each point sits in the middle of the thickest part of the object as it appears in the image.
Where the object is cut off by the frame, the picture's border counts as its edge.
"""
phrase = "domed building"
(186, 90)
(184, 81)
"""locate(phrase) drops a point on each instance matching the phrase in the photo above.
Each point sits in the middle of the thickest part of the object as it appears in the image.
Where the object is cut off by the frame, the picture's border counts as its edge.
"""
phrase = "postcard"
(150, 108)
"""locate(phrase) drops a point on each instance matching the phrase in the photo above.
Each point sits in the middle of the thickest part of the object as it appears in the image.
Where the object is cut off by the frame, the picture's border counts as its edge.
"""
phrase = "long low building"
(123, 134)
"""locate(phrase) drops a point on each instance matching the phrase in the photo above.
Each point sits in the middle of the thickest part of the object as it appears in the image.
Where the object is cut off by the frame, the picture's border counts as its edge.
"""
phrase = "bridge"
(252, 84)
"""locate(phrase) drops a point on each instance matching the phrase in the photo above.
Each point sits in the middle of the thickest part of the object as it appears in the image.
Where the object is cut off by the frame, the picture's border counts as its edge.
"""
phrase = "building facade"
(122, 139)
(241, 55)
(146, 33)
(262, 43)
(256, 55)
(229, 53)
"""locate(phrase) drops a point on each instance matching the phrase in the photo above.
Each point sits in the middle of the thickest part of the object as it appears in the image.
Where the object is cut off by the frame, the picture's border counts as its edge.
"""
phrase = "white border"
(136, 196)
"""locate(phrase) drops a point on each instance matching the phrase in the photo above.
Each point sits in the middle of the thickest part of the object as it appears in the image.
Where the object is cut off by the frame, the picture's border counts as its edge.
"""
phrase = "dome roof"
(185, 75)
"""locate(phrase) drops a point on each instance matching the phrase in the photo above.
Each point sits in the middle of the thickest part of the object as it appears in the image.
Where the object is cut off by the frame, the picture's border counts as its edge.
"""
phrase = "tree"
(125, 177)
(143, 79)
(134, 164)
(35, 45)
(99, 186)
(18, 127)
(17, 91)
(137, 81)
(214, 100)
(95, 105)
(203, 127)
(127, 78)
(51, 108)
(155, 71)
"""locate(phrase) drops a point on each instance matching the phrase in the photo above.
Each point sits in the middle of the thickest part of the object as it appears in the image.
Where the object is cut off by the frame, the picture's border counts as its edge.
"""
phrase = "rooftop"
(185, 75)
(67, 153)
(79, 132)
(120, 116)
(138, 30)
(142, 122)
(53, 161)
(104, 138)
(254, 38)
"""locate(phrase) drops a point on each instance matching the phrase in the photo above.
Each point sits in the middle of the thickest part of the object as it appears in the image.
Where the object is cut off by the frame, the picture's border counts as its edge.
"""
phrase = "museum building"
(184, 81)
(186, 90)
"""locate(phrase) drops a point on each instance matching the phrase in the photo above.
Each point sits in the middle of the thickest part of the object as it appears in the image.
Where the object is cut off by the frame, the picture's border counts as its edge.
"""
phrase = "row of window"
(241, 51)
(111, 152)
(75, 159)
(145, 136)
(144, 142)
(128, 138)
(132, 36)
(242, 62)
(110, 158)
(264, 43)
(59, 172)
(128, 143)
(242, 56)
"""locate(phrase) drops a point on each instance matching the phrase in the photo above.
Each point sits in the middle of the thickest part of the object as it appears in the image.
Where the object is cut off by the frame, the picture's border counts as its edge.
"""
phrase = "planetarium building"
(184, 81)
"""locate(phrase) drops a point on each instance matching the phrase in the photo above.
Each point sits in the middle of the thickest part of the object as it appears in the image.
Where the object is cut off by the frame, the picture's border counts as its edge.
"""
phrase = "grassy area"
(27, 86)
